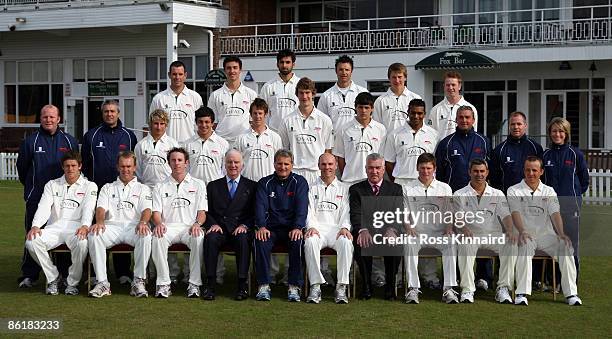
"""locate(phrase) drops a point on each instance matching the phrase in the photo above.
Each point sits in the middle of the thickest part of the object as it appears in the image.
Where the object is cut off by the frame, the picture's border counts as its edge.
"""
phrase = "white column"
(171, 46)
(608, 114)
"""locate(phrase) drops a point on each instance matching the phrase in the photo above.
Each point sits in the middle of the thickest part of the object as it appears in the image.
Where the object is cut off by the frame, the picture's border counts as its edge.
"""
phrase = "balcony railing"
(551, 26)
(9, 4)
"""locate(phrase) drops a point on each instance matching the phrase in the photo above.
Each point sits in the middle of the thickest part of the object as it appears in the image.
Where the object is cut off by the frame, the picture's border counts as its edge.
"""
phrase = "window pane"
(31, 99)
(94, 70)
(151, 68)
(535, 84)
(512, 85)
(511, 104)
(57, 97)
(151, 91)
(128, 113)
(25, 71)
(129, 69)
(534, 118)
(378, 86)
(41, 71)
(599, 83)
(188, 66)
(480, 86)
(78, 70)
(10, 104)
(162, 69)
(566, 83)
(202, 90)
(111, 69)
(201, 66)
(10, 71)
(598, 102)
(57, 71)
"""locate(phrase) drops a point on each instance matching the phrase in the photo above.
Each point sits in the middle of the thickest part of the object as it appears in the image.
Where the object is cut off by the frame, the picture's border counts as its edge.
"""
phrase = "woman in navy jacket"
(565, 169)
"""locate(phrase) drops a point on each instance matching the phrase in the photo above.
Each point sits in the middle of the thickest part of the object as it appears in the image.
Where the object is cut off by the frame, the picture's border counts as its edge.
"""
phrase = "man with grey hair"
(230, 219)
(101, 146)
(367, 193)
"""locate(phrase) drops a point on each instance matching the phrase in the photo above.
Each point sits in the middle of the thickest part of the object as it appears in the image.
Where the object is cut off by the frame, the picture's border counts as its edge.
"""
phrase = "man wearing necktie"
(231, 216)
(360, 201)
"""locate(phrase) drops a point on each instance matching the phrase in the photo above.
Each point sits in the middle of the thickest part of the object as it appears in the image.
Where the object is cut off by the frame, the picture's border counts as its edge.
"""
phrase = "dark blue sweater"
(281, 204)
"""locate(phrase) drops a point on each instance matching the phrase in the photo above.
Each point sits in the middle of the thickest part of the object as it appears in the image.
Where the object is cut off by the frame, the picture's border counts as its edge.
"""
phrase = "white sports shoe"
(163, 291)
(467, 297)
(340, 297)
(293, 293)
(521, 299)
(193, 291)
(574, 300)
(482, 284)
(26, 283)
(101, 289)
(71, 290)
(412, 296)
(53, 288)
(503, 296)
(264, 293)
(314, 296)
(450, 296)
(139, 289)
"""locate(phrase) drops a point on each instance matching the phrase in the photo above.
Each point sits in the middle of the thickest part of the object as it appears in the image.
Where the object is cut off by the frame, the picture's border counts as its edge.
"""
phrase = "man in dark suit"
(363, 197)
(231, 205)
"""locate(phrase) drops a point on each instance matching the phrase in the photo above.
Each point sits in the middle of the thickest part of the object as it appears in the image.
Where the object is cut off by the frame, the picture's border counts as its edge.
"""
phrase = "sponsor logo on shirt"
(234, 111)
(455, 153)
(478, 150)
(156, 160)
(508, 160)
(124, 205)
(326, 206)
(178, 114)
(568, 163)
(363, 147)
(101, 145)
(180, 203)
(63, 149)
(414, 151)
(345, 112)
(399, 115)
(285, 103)
(258, 153)
(290, 194)
(549, 164)
(40, 150)
(205, 160)
(122, 147)
(535, 210)
(305, 139)
(70, 204)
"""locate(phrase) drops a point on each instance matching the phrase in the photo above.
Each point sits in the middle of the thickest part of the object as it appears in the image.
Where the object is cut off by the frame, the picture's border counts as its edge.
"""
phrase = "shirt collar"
(240, 88)
(79, 181)
(187, 179)
(237, 180)
(526, 187)
(487, 191)
(434, 184)
(265, 132)
(131, 183)
(379, 184)
(461, 102)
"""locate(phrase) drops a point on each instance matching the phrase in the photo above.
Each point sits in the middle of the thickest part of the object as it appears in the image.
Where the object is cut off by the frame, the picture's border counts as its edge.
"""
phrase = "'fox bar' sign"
(456, 60)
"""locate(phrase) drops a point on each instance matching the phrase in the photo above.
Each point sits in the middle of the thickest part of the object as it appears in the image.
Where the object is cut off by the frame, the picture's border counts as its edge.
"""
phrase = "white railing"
(76, 3)
(551, 26)
(600, 188)
(8, 166)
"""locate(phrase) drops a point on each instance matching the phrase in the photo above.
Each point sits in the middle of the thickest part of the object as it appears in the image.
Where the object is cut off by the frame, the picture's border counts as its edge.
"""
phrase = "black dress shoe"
(390, 293)
(209, 294)
(242, 294)
(366, 293)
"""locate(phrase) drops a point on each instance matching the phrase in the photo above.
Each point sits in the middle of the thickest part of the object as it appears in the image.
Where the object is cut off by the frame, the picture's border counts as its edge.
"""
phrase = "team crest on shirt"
(80, 194)
(290, 194)
(188, 105)
(509, 160)
(272, 194)
(478, 150)
(40, 150)
(429, 122)
(317, 128)
(549, 164)
(63, 149)
(568, 163)
(122, 147)
(339, 197)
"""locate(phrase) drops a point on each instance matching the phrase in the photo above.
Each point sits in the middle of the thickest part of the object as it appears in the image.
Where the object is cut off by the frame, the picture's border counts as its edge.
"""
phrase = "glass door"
(553, 105)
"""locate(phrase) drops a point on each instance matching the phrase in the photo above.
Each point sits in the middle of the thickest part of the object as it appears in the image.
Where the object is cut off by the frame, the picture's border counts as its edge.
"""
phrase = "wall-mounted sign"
(215, 77)
(456, 59)
(102, 89)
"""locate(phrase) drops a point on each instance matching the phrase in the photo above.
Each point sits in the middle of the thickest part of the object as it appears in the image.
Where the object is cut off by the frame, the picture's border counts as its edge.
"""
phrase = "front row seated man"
(122, 217)
(66, 207)
(328, 225)
(533, 206)
(488, 205)
(179, 211)
(281, 208)
(231, 202)
(428, 194)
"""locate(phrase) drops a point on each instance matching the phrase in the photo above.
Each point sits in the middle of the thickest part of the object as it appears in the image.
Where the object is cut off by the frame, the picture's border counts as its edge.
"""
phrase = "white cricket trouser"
(553, 246)
(308, 174)
(119, 234)
(467, 256)
(312, 254)
(53, 236)
(449, 261)
(159, 253)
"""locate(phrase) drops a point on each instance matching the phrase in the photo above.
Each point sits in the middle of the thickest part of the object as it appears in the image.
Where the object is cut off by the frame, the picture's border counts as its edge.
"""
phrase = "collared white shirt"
(124, 204)
(181, 111)
(435, 197)
(442, 117)
(354, 143)
(391, 110)
(492, 204)
(69, 203)
(340, 107)
(231, 110)
(535, 207)
(307, 138)
(281, 99)
(258, 152)
(179, 203)
(206, 157)
(151, 159)
(403, 147)
(328, 206)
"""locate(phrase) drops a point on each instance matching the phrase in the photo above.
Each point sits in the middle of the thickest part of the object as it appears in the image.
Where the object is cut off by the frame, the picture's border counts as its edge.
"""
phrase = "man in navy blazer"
(231, 213)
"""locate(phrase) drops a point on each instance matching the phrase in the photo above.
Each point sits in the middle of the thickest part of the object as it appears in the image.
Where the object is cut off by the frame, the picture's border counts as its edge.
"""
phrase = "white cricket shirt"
(354, 143)
(535, 207)
(442, 117)
(151, 159)
(338, 104)
(403, 147)
(179, 203)
(231, 110)
(258, 152)
(206, 157)
(391, 110)
(181, 111)
(281, 99)
(124, 204)
(328, 206)
(492, 205)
